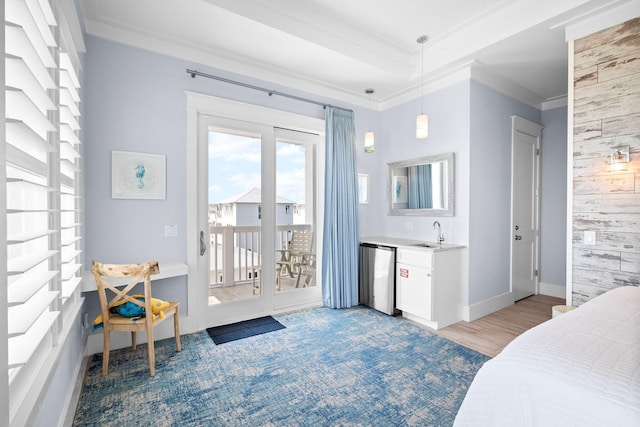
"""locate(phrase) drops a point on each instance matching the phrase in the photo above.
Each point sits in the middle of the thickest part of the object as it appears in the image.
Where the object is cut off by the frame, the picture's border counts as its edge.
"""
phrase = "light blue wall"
(553, 205)
(135, 101)
(448, 111)
(490, 189)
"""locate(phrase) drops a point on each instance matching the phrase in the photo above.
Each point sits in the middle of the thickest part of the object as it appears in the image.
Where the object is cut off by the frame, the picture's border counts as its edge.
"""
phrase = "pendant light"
(368, 136)
(422, 121)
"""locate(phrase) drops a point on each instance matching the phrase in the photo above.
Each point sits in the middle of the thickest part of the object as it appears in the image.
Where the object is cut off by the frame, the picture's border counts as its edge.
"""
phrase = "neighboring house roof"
(251, 196)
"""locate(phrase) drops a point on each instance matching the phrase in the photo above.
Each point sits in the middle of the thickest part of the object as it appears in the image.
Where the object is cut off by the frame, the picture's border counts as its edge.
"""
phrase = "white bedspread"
(579, 369)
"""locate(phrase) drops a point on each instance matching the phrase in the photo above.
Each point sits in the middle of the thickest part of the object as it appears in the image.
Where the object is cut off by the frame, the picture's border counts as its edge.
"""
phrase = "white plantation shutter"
(69, 177)
(29, 67)
(43, 216)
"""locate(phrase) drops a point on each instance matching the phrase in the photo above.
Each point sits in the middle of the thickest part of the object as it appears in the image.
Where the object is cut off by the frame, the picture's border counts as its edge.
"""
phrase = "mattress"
(579, 369)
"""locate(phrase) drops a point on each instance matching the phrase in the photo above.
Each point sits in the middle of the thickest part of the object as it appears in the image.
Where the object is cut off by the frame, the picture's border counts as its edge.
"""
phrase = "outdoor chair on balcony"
(131, 313)
(307, 268)
(298, 253)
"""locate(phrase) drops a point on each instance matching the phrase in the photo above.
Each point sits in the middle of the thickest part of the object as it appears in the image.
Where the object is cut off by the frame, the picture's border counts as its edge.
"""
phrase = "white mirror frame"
(449, 158)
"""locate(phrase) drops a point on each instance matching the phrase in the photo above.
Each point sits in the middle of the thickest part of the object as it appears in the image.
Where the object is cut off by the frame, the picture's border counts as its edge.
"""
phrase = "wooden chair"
(297, 252)
(307, 268)
(136, 273)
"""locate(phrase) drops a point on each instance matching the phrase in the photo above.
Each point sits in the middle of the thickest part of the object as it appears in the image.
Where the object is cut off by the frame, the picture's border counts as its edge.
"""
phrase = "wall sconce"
(368, 136)
(422, 121)
(619, 158)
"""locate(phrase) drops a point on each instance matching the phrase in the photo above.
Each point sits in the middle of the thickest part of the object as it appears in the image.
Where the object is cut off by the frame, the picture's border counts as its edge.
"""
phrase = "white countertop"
(409, 243)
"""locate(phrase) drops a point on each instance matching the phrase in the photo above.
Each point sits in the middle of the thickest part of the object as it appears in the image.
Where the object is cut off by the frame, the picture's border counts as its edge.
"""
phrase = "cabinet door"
(413, 290)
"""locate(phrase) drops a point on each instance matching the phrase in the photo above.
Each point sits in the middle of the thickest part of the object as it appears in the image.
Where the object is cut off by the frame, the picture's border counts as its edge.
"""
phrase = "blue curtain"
(420, 195)
(341, 240)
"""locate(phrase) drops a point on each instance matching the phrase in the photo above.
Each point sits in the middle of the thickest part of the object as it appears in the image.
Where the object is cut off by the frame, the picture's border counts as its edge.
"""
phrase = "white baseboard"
(558, 291)
(74, 395)
(488, 306)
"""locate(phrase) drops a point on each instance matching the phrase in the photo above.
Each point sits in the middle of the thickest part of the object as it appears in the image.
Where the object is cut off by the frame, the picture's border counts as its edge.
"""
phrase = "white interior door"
(525, 169)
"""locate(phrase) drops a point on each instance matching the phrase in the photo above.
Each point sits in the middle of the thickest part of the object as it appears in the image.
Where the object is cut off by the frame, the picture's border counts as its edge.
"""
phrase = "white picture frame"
(138, 175)
(363, 188)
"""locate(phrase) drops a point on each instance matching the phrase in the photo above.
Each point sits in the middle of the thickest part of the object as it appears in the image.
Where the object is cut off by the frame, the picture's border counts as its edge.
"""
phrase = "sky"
(234, 167)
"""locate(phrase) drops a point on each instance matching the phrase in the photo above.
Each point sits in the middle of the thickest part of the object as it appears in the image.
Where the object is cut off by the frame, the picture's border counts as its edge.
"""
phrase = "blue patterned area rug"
(246, 329)
(355, 367)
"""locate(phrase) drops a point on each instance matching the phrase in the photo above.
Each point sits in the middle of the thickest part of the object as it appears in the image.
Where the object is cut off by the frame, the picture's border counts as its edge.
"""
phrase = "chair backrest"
(134, 273)
(301, 241)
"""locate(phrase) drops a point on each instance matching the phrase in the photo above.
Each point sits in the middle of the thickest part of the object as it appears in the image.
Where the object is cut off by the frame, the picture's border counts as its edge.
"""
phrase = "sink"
(424, 245)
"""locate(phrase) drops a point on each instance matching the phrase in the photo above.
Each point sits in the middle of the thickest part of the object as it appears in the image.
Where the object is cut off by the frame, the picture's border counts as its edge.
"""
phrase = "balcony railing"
(235, 256)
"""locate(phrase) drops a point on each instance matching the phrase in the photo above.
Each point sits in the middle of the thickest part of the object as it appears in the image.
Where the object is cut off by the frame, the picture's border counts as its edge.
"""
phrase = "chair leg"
(176, 328)
(299, 275)
(133, 340)
(105, 352)
(152, 354)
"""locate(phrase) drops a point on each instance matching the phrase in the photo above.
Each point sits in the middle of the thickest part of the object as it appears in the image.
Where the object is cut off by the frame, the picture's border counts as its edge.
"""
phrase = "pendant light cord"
(422, 40)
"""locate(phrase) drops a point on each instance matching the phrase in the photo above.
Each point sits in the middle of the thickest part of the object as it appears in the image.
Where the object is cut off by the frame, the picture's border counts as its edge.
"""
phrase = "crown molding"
(607, 16)
(227, 65)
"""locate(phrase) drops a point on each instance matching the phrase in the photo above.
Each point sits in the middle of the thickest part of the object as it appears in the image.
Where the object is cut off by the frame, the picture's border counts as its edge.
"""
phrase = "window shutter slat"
(70, 240)
(24, 138)
(67, 65)
(26, 262)
(69, 286)
(69, 270)
(22, 317)
(67, 100)
(67, 152)
(70, 255)
(66, 81)
(20, 77)
(26, 286)
(19, 46)
(20, 108)
(25, 161)
(22, 347)
(68, 135)
(25, 237)
(17, 13)
(67, 117)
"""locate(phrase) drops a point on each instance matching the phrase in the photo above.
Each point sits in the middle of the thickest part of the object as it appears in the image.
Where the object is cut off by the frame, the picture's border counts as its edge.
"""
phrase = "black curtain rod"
(195, 73)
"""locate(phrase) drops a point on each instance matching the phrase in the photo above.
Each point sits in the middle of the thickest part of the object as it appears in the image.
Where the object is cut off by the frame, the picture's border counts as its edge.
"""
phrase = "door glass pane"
(295, 207)
(235, 215)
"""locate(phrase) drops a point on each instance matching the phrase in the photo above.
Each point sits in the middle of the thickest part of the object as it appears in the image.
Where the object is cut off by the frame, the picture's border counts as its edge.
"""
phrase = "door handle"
(517, 227)
(203, 246)
(518, 237)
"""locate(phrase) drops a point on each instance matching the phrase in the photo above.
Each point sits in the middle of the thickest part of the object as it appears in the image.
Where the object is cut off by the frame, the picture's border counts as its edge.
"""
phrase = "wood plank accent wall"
(606, 113)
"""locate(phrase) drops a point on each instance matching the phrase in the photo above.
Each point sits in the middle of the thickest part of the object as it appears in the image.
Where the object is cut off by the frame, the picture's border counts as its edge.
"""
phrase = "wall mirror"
(422, 186)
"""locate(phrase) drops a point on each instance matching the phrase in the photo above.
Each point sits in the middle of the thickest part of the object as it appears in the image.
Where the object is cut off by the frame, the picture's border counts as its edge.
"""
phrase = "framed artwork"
(138, 175)
(399, 189)
(363, 188)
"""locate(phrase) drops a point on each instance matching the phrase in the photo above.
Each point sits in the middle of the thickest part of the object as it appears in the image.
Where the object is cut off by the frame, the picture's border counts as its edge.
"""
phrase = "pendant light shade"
(422, 126)
(369, 144)
(422, 121)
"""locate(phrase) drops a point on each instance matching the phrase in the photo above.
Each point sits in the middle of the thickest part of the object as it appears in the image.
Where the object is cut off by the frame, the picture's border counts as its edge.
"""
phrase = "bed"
(578, 369)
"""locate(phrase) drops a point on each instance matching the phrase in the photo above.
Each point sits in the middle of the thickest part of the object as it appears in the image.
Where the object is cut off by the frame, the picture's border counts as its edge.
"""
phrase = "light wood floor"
(490, 334)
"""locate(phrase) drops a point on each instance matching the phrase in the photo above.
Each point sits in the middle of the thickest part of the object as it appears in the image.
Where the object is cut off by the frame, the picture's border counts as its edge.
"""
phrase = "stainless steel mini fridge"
(377, 277)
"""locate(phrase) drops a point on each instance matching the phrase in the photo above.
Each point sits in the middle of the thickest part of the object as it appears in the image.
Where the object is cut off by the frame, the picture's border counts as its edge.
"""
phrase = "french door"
(258, 185)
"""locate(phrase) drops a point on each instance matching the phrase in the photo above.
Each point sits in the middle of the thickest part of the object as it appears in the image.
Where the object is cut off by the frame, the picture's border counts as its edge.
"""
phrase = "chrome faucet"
(440, 236)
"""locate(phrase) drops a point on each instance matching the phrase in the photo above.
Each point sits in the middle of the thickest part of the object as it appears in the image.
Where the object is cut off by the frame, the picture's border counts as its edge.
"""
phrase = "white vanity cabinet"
(429, 285)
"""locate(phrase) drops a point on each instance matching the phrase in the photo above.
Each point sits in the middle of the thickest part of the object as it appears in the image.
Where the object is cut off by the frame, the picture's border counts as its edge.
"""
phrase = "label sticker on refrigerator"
(404, 272)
